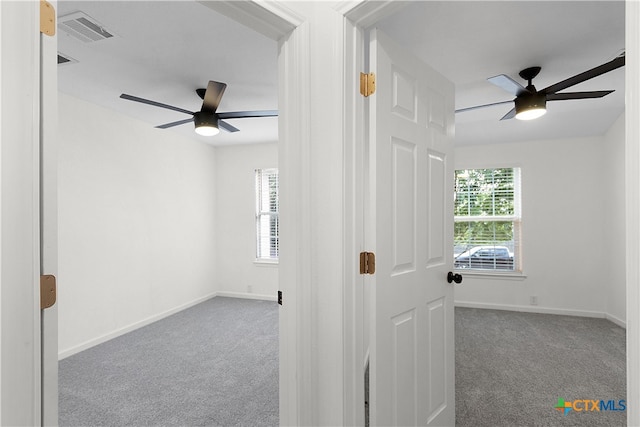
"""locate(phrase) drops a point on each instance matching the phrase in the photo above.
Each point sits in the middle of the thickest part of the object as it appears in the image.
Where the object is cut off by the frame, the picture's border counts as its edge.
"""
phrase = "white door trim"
(49, 220)
(297, 358)
(632, 170)
(357, 16)
(19, 214)
(354, 229)
(296, 336)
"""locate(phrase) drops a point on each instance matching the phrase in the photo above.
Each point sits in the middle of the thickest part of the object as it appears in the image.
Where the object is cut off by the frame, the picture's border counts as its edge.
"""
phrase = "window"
(487, 219)
(267, 214)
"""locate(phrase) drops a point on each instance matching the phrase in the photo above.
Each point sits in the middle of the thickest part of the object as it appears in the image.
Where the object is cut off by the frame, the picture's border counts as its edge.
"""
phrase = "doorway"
(142, 203)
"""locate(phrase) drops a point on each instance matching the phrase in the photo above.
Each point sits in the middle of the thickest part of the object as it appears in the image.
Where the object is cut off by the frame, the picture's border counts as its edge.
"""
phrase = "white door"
(411, 196)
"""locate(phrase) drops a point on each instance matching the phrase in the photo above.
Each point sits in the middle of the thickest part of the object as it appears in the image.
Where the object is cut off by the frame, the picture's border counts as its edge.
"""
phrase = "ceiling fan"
(208, 121)
(531, 103)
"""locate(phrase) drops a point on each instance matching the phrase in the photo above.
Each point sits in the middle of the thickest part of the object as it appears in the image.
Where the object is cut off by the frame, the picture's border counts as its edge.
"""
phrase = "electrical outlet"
(533, 300)
(250, 289)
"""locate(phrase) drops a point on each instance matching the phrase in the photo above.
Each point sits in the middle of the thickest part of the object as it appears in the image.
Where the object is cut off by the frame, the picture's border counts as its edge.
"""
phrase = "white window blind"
(267, 225)
(487, 220)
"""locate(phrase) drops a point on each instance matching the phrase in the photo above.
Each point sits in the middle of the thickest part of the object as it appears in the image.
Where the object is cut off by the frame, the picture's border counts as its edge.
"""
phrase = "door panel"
(404, 364)
(411, 199)
(404, 95)
(403, 220)
(436, 199)
(436, 343)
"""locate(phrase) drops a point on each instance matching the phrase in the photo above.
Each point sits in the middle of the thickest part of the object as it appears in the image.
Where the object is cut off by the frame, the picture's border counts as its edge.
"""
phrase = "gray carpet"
(215, 364)
(511, 368)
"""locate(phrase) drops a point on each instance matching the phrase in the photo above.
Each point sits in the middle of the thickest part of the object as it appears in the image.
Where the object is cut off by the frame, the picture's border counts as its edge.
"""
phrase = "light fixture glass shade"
(207, 130)
(529, 107)
(531, 114)
(206, 123)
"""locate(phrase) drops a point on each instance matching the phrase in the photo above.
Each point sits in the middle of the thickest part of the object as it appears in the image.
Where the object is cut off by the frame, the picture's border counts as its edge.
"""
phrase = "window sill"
(266, 262)
(511, 275)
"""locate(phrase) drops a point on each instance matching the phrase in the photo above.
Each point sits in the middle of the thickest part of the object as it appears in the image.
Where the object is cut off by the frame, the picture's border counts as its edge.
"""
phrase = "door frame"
(49, 221)
(357, 17)
(20, 370)
(632, 196)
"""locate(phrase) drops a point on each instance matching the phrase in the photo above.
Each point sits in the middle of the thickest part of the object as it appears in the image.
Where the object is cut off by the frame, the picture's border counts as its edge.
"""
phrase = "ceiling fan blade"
(510, 115)
(462, 110)
(577, 95)
(154, 103)
(507, 83)
(226, 126)
(579, 78)
(212, 96)
(244, 114)
(172, 124)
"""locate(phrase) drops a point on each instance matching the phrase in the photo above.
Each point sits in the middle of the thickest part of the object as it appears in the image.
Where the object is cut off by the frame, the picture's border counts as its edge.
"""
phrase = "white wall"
(565, 254)
(136, 223)
(236, 269)
(613, 173)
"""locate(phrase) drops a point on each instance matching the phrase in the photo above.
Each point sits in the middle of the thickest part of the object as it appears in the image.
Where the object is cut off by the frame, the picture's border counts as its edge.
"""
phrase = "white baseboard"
(247, 296)
(616, 320)
(542, 310)
(111, 335)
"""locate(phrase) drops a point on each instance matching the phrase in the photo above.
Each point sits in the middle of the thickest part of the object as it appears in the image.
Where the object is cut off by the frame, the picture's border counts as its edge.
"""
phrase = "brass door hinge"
(367, 263)
(367, 84)
(47, 291)
(47, 18)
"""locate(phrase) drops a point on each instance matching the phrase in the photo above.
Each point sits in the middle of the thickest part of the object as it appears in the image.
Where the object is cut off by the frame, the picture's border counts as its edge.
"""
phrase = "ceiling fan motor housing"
(530, 101)
(206, 119)
(206, 123)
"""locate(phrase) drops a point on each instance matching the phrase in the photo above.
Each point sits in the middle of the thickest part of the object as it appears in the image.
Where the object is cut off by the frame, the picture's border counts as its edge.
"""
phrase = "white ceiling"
(165, 50)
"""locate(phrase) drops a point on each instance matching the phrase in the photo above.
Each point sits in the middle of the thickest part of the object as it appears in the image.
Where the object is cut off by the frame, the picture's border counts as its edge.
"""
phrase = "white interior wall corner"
(614, 225)
(236, 270)
(136, 222)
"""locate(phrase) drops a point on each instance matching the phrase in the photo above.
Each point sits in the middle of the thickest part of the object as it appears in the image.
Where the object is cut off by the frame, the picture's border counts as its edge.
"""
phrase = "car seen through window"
(485, 257)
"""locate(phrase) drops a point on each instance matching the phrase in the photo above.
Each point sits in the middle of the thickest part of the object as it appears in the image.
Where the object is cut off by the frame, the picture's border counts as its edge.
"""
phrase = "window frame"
(262, 212)
(516, 218)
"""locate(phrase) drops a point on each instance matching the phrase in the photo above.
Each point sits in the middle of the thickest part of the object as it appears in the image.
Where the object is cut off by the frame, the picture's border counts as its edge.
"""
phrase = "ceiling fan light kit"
(529, 107)
(206, 123)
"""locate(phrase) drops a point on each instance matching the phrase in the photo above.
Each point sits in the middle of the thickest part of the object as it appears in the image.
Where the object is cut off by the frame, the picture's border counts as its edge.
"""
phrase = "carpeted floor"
(511, 369)
(214, 364)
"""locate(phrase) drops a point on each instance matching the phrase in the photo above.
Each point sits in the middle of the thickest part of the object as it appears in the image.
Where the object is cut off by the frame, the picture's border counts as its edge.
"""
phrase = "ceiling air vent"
(65, 59)
(82, 27)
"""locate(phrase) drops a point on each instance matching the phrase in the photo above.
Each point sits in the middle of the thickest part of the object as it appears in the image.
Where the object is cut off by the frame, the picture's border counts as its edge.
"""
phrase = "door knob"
(451, 277)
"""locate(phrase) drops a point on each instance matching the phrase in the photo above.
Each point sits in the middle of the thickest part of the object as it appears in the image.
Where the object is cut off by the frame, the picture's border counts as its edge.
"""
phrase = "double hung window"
(487, 219)
(267, 226)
